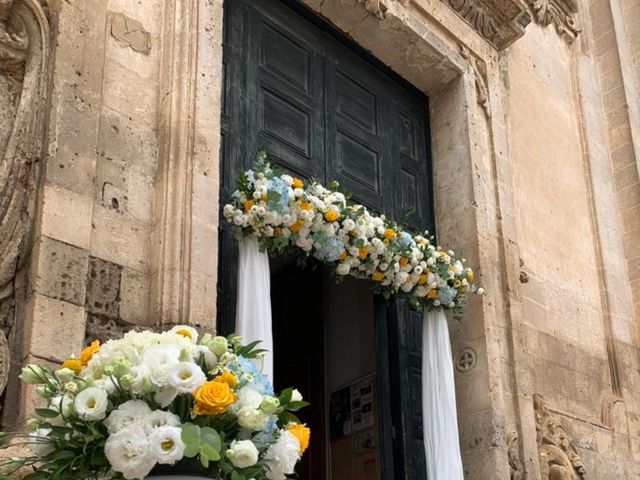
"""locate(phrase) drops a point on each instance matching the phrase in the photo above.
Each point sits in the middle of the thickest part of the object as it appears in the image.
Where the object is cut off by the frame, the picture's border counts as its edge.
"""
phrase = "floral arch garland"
(275, 213)
(288, 216)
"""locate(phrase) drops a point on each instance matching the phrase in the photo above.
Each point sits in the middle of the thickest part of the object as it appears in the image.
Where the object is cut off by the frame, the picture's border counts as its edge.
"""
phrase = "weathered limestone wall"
(536, 141)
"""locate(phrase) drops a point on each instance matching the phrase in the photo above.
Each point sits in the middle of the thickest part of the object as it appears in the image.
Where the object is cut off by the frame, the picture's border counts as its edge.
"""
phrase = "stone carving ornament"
(559, 459)
(24, 47)
(562, 13)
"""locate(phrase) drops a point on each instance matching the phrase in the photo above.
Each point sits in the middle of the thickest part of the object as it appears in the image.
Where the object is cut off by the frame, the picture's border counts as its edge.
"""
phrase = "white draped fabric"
(253, 309)
(441, 444)
(442, 448)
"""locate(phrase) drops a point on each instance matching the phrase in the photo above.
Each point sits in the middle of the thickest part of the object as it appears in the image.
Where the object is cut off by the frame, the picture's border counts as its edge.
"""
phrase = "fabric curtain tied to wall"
(442, 448)
(253, 309)
(439, 415)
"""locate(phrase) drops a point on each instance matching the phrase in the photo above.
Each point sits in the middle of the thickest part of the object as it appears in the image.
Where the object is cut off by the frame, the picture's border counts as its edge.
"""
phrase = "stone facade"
(109, 141)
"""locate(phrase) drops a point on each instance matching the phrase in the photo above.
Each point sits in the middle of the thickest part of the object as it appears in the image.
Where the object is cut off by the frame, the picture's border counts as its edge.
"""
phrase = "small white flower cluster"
(288, 216)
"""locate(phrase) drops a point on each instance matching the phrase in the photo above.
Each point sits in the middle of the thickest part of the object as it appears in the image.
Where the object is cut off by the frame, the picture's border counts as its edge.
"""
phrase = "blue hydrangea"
(446, 295)
(329, 249)
(405, 240)
(267, 435)
(280, 203)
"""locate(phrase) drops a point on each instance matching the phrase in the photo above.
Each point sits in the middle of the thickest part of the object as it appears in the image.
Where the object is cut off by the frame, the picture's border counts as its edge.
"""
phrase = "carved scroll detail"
(562, 13)
(377, 8)
(515, 464)
(24, 47)
(480, 71)
(559, 459)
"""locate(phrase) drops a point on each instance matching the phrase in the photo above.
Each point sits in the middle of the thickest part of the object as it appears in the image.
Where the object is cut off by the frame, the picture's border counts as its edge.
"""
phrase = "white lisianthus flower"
(107, 384)
(186, 377)
(128, 453)
(62, 404)
(210, 358)
(165, 395)
(281, 457)
(418, 270)
(132, 412)
(166, 445)
(39, 442)
(242, 453)
(296, 396)
(186, 331)
(91, 404)
(252, 419)
(159, 418)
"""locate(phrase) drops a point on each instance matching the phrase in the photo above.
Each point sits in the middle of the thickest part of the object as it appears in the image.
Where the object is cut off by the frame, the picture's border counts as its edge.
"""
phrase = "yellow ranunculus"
(297, 183)
(470, 275)
(404, 261)
(378, 276)
(89, 352)
(248, 204)
(389, 233)
(305, 205)
(227, 377)
(432, 293)
(296, 226)
(343, 255)
(302, 433)
(72, 364)
(213, 398)
(363, 252)
(423, 279)
(331, 215)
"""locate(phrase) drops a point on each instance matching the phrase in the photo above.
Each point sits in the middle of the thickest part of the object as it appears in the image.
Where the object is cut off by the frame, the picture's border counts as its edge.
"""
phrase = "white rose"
(343, 269)
(242, 453)
(39, 442)
(296, 396)
(248, 397)
(166, 445)
(252, 419)
(159, 418)
(140, 382)
(186, 377)
(158, 359)
(281, 457)
(128, 453)
(129, 413)
(91, 404)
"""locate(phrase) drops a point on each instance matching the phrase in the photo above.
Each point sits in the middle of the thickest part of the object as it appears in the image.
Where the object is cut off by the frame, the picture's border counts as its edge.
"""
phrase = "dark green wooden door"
(323, 108)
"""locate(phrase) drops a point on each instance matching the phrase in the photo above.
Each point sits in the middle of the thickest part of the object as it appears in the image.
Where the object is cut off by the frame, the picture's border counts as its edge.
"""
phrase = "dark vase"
(186, 469)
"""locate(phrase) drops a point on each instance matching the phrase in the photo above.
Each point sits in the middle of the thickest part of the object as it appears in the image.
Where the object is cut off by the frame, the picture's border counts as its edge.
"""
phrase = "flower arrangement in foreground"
(290, 216)
(156, 399)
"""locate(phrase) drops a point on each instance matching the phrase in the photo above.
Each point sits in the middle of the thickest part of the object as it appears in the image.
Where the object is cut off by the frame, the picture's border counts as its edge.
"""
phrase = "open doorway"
(324, 343)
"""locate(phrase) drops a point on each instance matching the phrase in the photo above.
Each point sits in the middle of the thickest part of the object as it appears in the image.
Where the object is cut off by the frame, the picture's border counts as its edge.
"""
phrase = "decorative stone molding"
(377, 8)
(500, 22)
(557, 452)
(562, 13)
(515, 465)
(24, 57)
(466, 360)
(480, 71)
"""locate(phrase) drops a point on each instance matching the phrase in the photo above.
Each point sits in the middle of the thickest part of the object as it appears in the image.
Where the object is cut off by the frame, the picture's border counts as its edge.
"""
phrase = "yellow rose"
(89, 352)
(227, 377)
(423, 279)
(213, 398)
(363, 252)
(72, 364)
(297, 183)
(302, 433)
(248, 204)
(305, 205)
(432, 293)
(296, 226)
(470, 275)
(343, 255)
(404, 261)
(389, 233)
(378, 276)
(331, 215)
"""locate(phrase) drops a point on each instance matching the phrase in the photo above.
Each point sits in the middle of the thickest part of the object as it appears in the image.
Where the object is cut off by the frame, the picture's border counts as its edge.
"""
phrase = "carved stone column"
(24, 56)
